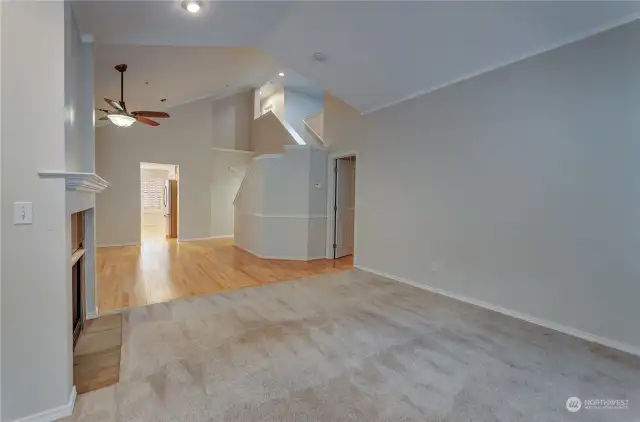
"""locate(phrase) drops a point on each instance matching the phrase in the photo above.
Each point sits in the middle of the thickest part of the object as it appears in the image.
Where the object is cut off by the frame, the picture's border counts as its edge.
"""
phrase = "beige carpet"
(352, 347)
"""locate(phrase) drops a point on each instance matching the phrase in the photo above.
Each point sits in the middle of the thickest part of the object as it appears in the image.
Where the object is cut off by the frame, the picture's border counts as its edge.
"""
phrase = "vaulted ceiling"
(377, 53)
(177, 74)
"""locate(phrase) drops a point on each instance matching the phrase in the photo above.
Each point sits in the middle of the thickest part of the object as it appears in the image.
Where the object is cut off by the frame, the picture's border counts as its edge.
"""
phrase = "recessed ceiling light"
(192, 6)
(281, 74)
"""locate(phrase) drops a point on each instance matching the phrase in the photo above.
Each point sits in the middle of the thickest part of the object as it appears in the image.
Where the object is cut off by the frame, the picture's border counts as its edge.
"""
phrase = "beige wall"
(231, 117)
(342, 125)
(37, 361)
(517, 188)
(186, 140)
(269, 136)
(227, 171)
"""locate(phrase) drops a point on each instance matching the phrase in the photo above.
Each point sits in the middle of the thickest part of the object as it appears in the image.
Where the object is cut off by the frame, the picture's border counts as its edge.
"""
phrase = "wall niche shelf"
(87, 182)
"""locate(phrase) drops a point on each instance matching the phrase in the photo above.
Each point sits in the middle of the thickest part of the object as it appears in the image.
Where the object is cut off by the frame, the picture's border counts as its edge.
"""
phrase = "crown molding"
(87, 182)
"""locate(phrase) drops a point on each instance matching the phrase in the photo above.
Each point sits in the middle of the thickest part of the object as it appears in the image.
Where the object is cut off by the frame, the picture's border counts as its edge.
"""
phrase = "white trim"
(75, 257)
(89, 182)
(313, 132)
(92, 315)
(514, 314)
(55, 413)
(294, 134)
(331, 182)
(197, 239)
(87, 38)
(307, 216)
(306, 146)
(263, 156)
(232, 150)
(566, 41)
(246, 176)
(115, 245)
(282, 258)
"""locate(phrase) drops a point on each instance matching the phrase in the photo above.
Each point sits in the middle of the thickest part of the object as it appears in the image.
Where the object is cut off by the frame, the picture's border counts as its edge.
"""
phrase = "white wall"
(280, 213)
(80, 143)
(36, 295)
(186, 140)
(297, 106)
(1, 396)
(518, 187)
(227, 171)
(316, 243)
(78, 99)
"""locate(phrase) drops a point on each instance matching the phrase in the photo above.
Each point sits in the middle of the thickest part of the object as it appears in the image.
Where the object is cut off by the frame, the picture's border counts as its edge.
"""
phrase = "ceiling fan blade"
(104, 110)
(155, 114)
(146, 121)
(114, 104)
(104, 118)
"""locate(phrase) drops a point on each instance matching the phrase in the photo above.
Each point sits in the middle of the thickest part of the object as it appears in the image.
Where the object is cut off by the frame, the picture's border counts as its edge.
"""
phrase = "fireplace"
(77, 274)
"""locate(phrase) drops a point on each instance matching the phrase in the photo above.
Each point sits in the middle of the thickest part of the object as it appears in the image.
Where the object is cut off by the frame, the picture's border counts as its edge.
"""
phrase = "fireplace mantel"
(87, 182)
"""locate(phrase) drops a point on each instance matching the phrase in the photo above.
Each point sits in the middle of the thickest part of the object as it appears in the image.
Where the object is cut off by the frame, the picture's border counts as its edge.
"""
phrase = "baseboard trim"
(196, 239)
(55, 413)
(614, 344)
(232, 150)
(116, 245)
(293, 216)
(92, 315)
(282, 258)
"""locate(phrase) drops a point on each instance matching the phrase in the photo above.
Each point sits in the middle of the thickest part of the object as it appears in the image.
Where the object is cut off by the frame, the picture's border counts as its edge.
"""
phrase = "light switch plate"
(22, 213)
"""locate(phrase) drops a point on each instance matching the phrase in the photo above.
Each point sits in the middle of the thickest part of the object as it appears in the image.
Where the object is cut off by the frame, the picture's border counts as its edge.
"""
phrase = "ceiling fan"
(119, 116)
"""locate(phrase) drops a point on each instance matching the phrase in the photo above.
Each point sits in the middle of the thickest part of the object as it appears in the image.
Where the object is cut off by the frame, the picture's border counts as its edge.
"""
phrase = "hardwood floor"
(161, 270)
(96, 358)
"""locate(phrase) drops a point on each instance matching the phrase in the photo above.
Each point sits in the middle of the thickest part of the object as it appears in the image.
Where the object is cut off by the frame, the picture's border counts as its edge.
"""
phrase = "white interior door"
(345, 207)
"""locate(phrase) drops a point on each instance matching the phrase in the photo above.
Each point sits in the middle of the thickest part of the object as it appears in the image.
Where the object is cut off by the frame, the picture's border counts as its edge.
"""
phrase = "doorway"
(342, 201)
(158, 202)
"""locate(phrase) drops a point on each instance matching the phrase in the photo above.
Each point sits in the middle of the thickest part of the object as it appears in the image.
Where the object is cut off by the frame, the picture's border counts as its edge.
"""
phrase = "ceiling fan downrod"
(121, 68)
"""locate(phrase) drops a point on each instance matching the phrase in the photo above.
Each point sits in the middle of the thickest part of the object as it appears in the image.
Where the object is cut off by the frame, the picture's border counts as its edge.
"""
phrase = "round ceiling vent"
(319, 57)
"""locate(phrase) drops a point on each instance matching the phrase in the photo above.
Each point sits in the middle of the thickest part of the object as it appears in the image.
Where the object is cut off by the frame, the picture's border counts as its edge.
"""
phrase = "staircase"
(280, 207)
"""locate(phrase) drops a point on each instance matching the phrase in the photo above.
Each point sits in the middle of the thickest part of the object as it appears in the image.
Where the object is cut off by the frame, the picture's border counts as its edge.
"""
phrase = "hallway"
(161, 270)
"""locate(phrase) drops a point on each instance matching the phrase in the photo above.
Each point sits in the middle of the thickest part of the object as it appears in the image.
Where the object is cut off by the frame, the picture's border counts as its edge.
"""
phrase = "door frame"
(331, 192)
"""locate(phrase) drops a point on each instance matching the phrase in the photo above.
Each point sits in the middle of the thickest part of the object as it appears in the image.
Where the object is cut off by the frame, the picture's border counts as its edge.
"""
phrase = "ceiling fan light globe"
(121, 120)
(192, 6)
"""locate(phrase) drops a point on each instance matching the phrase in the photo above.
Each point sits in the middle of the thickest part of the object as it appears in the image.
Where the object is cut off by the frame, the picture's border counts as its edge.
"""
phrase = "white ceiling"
(179, 74)
(155, 166)
(377, 53)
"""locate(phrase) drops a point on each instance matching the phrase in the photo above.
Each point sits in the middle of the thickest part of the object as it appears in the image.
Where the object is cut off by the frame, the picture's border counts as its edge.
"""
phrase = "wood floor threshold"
(97, 355)
(163, 270)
